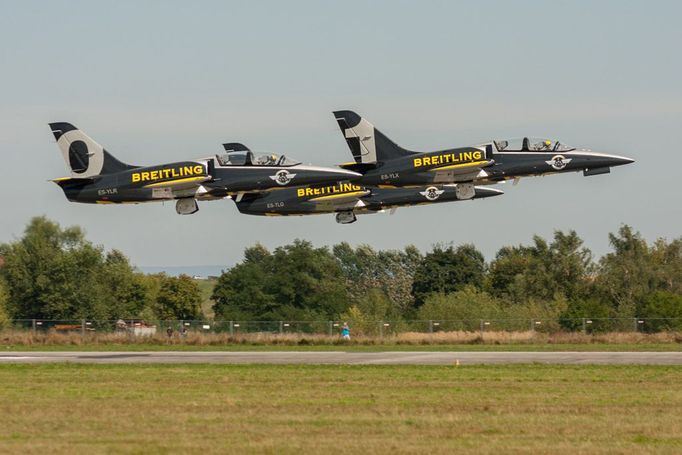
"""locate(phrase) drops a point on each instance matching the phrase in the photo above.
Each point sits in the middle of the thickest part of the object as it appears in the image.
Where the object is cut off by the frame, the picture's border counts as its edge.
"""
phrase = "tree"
(628, 273)
(595, 309)
(391, 272)
(179, 298)
(542, 270)
(295, 282)
(4, 316)
(127, 293)
(241, 294)
(54, 273)
(662, 310)
(462, 309)
(446, 270)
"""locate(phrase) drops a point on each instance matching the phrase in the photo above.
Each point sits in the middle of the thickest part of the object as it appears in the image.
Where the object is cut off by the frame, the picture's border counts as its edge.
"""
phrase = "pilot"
(543, 145)
(267, 160)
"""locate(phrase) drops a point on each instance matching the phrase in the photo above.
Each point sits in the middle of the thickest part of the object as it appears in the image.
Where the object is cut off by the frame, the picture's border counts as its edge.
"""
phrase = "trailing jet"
(98, 177)
(384, 163)
(348, 199)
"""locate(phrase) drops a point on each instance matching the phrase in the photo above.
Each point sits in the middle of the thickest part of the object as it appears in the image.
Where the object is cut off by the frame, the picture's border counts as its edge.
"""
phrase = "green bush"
(662, 310)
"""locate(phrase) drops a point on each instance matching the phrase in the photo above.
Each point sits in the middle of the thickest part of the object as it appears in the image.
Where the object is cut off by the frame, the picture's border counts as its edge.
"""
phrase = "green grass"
(61, 408)
(551, 347)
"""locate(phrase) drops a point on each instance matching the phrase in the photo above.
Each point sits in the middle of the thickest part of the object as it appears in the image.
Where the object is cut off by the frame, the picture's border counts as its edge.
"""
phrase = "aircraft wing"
(181, 184)
(343, 200)
(461, 172)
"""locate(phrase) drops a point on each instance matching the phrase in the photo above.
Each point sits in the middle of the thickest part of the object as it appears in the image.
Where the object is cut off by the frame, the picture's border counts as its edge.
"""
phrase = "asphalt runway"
(350, 358)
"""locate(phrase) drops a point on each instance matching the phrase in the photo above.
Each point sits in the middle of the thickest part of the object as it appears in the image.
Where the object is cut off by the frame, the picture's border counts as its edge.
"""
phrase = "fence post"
(381, 329)
(532, 325)
(481, 328)
(584, 327)
(331, 327)
(33, 321)
(231, 328)
(430, 326)
(82, 327)
(636, 327)
(281, 327)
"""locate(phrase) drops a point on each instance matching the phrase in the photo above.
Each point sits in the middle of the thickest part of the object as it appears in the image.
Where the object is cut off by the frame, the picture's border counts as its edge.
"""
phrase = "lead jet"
(348, 200)
(97, 177)
(384, 163)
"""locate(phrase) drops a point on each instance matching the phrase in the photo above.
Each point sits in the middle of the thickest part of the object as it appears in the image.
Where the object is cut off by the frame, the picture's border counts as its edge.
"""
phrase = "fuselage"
(344, 197)
(200, 179)
(483, 164)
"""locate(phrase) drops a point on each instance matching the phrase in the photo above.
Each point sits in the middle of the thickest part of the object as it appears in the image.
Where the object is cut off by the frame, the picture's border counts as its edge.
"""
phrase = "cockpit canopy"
(247, 158)
(531, 144)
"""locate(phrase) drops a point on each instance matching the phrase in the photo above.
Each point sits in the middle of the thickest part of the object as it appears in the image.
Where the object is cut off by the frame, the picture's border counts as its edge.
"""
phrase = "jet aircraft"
(348, 199)
(98, 177)
(384, 163)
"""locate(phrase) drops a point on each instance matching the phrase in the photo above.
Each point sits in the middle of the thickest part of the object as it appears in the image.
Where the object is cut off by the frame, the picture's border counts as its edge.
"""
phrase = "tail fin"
(84, 157)
(367, 144)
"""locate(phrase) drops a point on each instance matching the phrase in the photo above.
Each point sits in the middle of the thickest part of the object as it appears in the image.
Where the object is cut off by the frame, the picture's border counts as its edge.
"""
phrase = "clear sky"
(163, 81)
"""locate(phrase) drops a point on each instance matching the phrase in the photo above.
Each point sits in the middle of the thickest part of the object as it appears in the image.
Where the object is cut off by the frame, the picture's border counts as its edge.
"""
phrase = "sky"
(165, 81)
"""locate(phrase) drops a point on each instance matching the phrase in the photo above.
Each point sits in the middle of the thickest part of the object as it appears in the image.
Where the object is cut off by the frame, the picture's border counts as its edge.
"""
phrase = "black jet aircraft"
(348, 199)
(384, 163)
(98, 177)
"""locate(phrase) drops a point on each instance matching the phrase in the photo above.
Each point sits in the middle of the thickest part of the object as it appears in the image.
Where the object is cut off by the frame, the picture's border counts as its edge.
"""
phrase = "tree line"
(56, 273)
(558, 281)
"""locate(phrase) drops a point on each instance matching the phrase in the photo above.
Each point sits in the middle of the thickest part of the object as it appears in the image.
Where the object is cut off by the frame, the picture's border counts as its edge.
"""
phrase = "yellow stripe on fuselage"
(176, 182)
(338, 196)
(459, 166)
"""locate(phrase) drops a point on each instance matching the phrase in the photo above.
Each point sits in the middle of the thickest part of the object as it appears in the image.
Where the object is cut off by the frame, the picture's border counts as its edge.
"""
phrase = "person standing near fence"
(345, 331)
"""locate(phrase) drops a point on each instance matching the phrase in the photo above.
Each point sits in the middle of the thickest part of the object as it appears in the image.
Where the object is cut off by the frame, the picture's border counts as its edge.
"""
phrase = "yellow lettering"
(466, 156)
(154, 175)
(417, 162)
(198, 170)
(300, 192)
(136, 177)
(426, 160)
(145, 176)
(308, 191)
(174, 173)
(186, 170)
(478, 155)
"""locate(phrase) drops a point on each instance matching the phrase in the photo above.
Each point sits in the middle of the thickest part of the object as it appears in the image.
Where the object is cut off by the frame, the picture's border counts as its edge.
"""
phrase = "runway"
(348, 358)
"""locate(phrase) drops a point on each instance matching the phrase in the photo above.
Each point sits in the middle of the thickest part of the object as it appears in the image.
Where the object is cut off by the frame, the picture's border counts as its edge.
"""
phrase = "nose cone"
(593, 159)
(620, 160)
(482, 192)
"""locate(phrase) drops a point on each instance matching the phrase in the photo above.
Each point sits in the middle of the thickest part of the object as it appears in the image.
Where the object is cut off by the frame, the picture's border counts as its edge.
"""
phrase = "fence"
(140, 327)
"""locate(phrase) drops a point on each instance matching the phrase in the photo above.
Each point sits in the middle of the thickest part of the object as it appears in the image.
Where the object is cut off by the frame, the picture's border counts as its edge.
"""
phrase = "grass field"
(350, 409)
(540, 347)
(23, 340)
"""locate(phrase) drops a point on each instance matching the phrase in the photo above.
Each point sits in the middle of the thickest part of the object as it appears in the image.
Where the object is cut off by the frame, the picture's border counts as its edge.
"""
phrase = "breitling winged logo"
(431, 193)
(559, 162)
(282, 177)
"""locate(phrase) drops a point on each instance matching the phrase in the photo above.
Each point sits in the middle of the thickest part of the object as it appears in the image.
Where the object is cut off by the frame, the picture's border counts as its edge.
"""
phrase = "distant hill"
(191, 270)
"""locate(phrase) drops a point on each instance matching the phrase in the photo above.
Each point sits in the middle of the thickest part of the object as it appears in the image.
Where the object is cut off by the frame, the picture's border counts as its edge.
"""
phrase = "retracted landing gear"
(186, 206)
(346, 217)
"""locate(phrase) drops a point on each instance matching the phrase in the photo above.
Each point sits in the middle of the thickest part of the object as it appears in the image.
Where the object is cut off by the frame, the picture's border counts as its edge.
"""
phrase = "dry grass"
(349, 409)
(28, 338)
